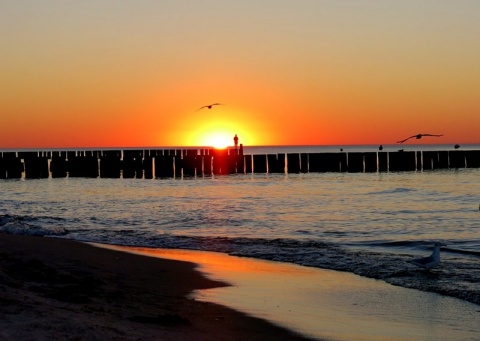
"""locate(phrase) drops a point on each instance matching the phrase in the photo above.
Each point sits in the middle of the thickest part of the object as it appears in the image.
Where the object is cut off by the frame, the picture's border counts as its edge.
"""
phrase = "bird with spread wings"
(418, 137)
(209, 106)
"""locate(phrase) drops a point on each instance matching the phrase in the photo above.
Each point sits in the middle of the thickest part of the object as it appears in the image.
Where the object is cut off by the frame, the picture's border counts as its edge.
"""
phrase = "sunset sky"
(117, 73)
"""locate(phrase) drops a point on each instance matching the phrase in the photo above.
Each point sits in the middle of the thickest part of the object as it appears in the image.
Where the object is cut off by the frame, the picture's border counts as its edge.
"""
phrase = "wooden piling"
(148, 167)
(370, 162)
(248, 160)
(207, 165)
(382, 161)
(456, 159)
(442, 160)
(3, 169)
(327, 162)
(84, 166)
(434, 160)
(58, 164)
(36, 167)
(223, 163)
(472, 158)
(110, 164)
(204, 162)
(355, 163)
(191, 165)
(276, 163)
(402, 161)
(231, 164)
(419, 160)
(240, 164)
(13, 165)
(293, 163)
(132, 164)
(259, 164)
(164, 166)
(304, 162)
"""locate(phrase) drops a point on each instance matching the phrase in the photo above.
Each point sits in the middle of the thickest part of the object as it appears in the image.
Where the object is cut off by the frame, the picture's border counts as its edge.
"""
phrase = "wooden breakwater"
(173, 163)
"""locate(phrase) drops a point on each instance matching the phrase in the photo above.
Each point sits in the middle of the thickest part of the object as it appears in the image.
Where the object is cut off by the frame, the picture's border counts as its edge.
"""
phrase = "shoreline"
(62, 289)
(327, 304)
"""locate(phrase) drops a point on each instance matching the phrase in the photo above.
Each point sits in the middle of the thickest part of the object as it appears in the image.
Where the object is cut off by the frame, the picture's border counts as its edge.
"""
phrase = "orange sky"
(133, 74)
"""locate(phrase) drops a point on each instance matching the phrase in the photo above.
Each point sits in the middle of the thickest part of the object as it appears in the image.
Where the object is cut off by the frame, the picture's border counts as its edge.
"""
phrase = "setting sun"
(218, 132)
(218, 140)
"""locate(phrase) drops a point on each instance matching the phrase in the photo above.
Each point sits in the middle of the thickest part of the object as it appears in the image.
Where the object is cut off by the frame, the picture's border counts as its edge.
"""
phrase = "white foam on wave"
(21, 226)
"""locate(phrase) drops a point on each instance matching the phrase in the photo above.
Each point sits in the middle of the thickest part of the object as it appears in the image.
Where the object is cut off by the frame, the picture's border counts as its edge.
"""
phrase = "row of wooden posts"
(165, 163)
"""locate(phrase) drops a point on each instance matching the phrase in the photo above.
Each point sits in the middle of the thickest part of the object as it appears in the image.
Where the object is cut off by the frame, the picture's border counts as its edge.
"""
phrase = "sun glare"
(218, 140)
(220, 133)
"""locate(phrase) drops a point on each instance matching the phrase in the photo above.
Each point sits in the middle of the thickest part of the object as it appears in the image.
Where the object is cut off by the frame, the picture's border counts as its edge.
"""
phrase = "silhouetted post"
(148, 165)
(220, 162)
(402, 161)
(58, 165)
(190, 163)
(207, 164)
(355, 162)
(276, 164)
(293, 163)
(457, 159)
(328, 162)
(13, 165)
(382, 160)
(304, 163)
(248, 164)
(259, 163)
(370, 162)
(472, 158)
(3, 169)
(164, 166)
(110, 165)
(132, 164)
(36, 166)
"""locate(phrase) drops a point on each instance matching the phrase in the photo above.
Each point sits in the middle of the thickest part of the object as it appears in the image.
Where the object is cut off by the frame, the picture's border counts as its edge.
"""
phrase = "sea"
(369, 224)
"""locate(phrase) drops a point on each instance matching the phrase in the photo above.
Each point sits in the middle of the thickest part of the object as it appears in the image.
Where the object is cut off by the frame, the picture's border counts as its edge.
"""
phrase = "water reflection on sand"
(329, 304)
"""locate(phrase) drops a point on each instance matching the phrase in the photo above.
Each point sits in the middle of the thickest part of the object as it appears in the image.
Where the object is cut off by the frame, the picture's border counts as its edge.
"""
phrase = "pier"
(193, 162)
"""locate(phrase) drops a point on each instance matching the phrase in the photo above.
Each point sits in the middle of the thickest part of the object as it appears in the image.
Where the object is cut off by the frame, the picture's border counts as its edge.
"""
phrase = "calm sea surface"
(366, 223)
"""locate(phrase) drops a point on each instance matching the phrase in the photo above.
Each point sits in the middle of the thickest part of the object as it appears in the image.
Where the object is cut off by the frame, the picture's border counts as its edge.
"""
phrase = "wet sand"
(326, 304)
(54, 289)
(65, 290)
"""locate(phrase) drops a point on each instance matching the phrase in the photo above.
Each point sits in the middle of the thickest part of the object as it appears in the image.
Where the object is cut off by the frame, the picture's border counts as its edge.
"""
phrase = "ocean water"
(369, 224)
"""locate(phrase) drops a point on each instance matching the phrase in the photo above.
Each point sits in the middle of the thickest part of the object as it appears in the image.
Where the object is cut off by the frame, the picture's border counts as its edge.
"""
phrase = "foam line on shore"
(328, 304)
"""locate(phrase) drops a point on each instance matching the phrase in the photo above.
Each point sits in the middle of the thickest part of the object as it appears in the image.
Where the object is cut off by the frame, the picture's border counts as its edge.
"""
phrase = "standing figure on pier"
(235, 141)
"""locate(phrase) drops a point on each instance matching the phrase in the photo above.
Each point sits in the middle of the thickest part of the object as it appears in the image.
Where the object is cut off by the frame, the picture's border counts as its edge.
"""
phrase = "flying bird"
(418, 137)
(431, 261)
(209, 106)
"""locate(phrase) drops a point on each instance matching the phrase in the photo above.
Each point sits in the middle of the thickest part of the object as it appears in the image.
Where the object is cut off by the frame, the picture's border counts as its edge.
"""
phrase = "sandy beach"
(54, 289)
(57, 289)
(325, 304)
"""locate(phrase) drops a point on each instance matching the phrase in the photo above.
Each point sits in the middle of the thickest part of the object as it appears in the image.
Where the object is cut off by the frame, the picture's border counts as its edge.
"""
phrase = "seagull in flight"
(418, 137)
(209, 106)
(431, 261)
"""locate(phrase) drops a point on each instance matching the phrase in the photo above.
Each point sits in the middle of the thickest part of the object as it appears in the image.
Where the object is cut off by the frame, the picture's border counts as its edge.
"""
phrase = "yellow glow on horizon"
(218, 140)
(219, 130)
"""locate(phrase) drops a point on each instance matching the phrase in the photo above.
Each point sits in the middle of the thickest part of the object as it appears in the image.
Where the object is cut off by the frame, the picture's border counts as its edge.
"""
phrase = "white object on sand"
(431, 261)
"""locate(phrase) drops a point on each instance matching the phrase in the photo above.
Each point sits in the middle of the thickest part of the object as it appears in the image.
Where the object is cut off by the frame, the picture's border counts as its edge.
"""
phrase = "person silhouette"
(235, 141)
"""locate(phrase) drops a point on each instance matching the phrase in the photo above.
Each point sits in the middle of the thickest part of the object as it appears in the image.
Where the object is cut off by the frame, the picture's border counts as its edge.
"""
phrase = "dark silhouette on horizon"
(209, 106)
(235, 141)
(457, 146)
(418, 137)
